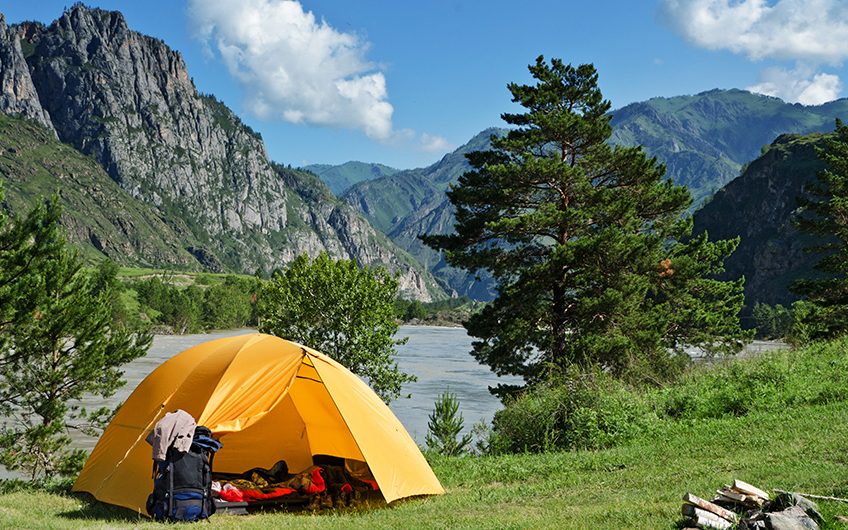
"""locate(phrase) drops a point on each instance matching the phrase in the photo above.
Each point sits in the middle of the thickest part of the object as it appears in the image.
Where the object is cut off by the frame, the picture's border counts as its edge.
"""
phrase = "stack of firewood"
(741, 493)
(708, 514)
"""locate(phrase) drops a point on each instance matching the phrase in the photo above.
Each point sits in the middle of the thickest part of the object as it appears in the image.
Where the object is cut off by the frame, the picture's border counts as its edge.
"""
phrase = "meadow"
(778, 421)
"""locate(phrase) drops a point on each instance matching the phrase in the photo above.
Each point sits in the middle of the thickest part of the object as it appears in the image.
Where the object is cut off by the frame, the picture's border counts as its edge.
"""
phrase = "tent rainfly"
(266, 399)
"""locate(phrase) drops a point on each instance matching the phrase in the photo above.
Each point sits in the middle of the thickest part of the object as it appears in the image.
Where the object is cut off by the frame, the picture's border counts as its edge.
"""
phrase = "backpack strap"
(171, 490)
(206, 470)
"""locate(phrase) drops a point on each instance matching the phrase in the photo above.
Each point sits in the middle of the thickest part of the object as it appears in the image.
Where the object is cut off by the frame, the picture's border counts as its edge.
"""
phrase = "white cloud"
(295, 68)
(800, 85)
(811, 32)
(434, 144)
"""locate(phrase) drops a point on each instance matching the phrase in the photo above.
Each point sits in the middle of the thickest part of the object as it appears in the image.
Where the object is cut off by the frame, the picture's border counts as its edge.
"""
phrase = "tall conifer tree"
(58, 344)
(584, 242)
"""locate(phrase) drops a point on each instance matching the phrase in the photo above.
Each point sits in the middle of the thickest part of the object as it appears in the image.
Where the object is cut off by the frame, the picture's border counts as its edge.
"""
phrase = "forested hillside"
(758, 207)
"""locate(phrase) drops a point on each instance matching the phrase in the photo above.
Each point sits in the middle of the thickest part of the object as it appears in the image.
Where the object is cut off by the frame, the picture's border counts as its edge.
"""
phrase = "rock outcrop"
(17, 93)
(758, 207)
(127, 99)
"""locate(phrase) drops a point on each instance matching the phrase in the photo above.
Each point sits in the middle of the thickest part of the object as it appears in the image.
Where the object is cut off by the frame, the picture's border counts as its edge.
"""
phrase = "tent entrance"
(282, 432)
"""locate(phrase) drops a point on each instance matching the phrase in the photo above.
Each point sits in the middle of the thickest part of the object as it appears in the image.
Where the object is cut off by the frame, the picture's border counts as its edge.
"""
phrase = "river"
(438, 356)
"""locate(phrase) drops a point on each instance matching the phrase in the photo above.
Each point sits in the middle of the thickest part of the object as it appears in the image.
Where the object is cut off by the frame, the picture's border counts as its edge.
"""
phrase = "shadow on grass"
(91, 508)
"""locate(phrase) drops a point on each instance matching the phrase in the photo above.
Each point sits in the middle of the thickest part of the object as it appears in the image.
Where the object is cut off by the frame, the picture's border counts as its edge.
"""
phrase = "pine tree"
(445, 425)
(59, 344)
(585, 243)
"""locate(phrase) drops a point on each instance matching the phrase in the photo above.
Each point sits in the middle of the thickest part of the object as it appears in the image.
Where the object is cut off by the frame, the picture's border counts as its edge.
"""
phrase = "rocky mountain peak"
(127, 99)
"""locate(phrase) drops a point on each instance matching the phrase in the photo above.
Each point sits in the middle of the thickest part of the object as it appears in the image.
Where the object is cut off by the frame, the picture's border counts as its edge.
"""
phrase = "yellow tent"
(266, 399)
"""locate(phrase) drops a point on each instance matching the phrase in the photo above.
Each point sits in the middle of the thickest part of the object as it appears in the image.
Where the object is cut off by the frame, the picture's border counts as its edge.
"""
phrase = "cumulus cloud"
(434, 144)
(294, 67)
(801, 85)
(812, 31)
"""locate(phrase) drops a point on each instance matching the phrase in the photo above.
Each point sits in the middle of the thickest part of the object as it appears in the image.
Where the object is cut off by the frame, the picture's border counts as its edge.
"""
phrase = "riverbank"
(778, 421)
(638, 486)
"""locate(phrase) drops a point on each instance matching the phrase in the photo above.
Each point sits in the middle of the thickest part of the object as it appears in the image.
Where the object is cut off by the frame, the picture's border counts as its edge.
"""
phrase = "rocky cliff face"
(99, 218)
(127, 99)
(17, 93)
(758, 207)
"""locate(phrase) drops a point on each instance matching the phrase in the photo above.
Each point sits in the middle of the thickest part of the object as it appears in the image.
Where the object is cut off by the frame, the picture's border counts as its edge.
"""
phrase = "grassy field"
(640, 485)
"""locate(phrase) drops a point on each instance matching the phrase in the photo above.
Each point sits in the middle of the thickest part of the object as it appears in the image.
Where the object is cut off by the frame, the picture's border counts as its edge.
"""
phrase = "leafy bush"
(225, 307)
(594, 410)
(806, 323)
(203, 279)
(415, 310)
(772, 322)
(574, 411)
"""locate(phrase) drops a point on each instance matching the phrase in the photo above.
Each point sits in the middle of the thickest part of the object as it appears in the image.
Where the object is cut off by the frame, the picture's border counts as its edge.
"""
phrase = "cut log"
(732, 495)
(722, 498)
(704, 519)
(749, 489)
(710, 507)
(740, 497)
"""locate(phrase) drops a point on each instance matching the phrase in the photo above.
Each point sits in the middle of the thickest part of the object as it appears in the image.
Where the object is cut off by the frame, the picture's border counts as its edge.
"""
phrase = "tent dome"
(265, 399)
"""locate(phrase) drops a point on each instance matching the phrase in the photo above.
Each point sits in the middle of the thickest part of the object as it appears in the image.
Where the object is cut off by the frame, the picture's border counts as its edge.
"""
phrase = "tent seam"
(115, 469)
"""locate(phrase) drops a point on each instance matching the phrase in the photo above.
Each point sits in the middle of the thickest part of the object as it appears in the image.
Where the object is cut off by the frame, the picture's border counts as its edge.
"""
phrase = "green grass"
(793, 437)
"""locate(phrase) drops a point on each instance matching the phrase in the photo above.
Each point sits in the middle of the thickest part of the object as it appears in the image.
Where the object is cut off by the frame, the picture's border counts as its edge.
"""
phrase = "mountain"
(758, 207)
(705, 141)
(413, 202)
(99, 217)
(127, 101)
(340, 178)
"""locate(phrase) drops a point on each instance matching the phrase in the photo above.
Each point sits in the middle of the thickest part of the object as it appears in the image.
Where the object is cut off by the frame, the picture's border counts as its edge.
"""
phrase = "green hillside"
(705, 139)
(99, 217)
(758, 208)
(340, 178)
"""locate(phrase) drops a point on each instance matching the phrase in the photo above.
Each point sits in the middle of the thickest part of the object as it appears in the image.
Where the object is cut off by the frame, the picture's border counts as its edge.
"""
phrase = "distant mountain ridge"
(705, 141)
(127, 100)
(340, 178)
(413, 202)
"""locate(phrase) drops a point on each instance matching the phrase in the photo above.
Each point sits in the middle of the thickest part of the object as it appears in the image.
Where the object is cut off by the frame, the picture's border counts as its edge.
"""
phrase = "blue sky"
(403, 83)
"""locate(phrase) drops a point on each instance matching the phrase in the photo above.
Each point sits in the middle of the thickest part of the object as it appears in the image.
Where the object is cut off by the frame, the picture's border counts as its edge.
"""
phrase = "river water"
(438, 356)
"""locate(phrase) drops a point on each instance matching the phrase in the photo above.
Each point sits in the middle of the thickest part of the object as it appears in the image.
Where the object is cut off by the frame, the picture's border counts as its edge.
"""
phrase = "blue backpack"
(182, 483)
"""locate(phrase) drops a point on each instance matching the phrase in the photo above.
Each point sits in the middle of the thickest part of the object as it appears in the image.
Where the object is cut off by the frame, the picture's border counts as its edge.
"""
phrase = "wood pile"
(744, 507)
(742, 493)
(715, 513)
